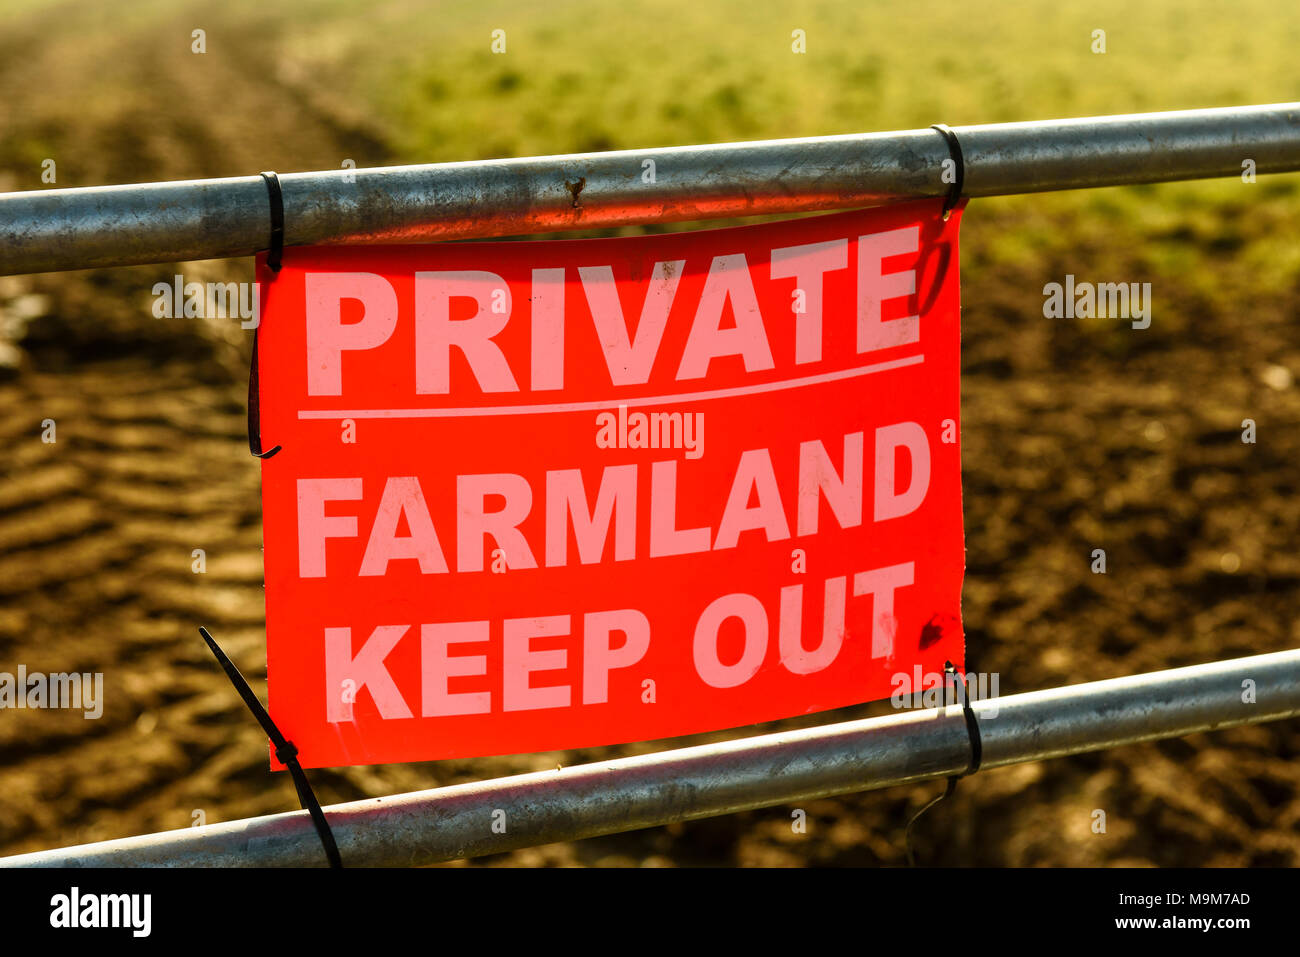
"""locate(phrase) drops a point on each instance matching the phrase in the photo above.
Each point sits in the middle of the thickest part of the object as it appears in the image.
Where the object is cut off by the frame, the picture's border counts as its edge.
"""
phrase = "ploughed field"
(1078, 433)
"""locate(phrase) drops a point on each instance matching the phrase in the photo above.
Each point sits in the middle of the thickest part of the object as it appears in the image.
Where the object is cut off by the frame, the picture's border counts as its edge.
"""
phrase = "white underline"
(610, 403)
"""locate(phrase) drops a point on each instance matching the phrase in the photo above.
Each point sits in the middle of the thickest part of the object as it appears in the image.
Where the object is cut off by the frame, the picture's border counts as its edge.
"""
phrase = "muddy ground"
(1074, 439)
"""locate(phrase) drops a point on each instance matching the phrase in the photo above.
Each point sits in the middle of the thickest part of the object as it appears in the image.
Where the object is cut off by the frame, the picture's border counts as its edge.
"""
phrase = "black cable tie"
(254, 406)
(273, 261)
(954, 153)
(276, 250)
(972, 724)
(285, 752)
(976, 753)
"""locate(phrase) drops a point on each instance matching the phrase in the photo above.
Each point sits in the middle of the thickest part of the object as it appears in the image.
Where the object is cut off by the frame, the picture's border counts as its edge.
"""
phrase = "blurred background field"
(1077, 434)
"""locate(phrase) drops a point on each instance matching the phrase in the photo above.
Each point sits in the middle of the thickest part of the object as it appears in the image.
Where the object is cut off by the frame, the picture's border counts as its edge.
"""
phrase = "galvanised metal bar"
(46, 230)
(629, 793)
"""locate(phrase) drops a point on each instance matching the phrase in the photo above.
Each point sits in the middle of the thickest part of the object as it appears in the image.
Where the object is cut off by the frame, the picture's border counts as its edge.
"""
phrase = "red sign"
(547, 495)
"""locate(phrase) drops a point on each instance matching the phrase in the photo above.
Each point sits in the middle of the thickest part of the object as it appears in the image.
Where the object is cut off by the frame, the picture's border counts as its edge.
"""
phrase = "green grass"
(583, 75)
(592, 75)
(579, 74)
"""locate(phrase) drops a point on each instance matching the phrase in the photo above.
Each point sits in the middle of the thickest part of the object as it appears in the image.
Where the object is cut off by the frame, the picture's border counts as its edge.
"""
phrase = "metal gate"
(43, 231)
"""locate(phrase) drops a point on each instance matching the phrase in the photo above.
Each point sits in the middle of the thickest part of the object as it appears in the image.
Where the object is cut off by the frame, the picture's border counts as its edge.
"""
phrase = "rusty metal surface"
(47, 230)
(629, 793)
